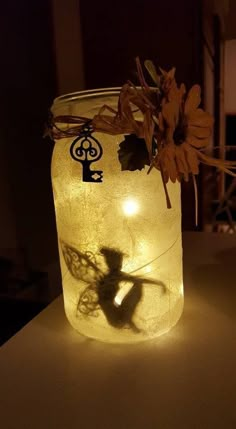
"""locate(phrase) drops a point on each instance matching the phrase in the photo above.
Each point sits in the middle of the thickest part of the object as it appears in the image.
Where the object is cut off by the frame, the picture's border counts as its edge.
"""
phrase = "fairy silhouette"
(104, 290)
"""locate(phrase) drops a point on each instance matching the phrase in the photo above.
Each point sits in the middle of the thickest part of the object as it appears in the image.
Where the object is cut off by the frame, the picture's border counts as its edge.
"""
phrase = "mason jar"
(120, 246)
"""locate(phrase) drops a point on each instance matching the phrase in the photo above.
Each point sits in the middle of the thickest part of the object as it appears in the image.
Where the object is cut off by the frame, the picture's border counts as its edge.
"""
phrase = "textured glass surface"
(120, 247)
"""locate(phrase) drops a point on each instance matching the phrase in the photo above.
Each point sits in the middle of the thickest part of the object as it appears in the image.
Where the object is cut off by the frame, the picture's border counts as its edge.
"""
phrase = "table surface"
(51, 377)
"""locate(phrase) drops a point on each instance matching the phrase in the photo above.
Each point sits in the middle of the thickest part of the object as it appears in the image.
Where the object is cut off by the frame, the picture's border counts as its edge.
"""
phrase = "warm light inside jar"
(120, 247)
(130, 206)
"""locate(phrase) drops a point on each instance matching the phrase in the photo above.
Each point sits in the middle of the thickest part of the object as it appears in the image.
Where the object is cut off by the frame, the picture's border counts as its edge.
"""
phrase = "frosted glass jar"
(120, 247)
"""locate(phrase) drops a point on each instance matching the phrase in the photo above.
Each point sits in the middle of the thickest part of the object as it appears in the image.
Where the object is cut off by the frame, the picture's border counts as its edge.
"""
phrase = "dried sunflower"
(175, 129)
(183, 130)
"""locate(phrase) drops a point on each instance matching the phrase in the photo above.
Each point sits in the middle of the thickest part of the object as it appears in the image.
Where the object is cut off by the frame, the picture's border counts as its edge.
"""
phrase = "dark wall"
(114, 33)
(27, 89)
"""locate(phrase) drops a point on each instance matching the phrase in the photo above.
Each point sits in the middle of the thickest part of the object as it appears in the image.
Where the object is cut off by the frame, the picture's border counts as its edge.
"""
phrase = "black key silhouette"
(86, 150)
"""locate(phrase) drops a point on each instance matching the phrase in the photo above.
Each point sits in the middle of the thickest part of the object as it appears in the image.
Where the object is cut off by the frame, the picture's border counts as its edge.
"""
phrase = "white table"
(52, 378)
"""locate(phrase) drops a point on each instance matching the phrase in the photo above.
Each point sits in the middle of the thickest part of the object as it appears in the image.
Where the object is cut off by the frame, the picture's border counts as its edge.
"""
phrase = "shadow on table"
(216, 283)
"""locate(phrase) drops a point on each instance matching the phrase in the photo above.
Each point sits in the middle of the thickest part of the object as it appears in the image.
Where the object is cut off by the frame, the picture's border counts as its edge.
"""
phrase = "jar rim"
(85, 94)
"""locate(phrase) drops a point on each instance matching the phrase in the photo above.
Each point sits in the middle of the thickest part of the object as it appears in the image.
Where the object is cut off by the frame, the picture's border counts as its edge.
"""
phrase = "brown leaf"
(133, 154)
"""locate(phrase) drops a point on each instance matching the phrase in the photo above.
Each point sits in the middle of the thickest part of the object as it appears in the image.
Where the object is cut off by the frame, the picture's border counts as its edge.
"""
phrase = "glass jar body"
(120, 247)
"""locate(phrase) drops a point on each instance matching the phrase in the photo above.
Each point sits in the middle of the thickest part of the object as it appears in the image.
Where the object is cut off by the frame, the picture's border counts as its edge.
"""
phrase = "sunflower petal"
(199, 132)
(172, 169)
(171, 73)
(197, 142)
(199, 118)
(191, 157)
(193, 99)
(181, 162)
(167, 158)
(182, 89)
(168, 74)
(163, 72)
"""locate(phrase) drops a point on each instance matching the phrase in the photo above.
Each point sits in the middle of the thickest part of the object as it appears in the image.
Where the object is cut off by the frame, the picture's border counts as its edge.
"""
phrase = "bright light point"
(125, 287)
(117, 301)
(130, 207)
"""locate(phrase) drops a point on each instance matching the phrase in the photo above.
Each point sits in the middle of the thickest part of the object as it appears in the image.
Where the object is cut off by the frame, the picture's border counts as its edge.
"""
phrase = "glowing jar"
(120, 247)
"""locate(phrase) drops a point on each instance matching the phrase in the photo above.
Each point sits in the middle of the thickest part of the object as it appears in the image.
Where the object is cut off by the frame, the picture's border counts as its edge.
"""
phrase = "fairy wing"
(88, 301)
(82, 266)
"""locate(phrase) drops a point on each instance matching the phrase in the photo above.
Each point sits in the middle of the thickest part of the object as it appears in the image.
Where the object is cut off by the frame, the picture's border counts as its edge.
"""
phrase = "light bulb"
(130, 207)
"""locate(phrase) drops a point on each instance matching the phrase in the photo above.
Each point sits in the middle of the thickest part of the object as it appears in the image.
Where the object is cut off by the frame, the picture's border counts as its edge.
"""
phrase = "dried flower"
(183, 130)
(174, 128)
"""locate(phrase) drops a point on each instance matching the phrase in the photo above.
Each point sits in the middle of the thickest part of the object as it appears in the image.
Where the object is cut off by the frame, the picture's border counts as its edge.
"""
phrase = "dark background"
(27, 224)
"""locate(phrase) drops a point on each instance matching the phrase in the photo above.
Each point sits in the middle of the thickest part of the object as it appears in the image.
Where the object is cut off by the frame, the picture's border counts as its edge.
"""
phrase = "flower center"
(180, 133)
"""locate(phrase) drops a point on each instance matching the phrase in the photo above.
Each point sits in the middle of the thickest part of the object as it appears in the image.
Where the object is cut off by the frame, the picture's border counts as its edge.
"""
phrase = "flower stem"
(168, 203)
(196, 199)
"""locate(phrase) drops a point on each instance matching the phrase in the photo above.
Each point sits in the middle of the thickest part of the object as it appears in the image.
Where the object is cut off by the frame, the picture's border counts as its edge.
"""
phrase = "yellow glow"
(125, 238)
(130, 207)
